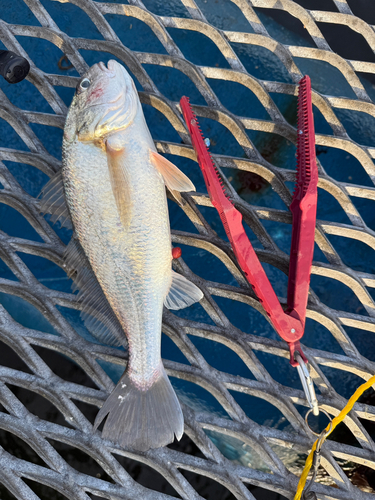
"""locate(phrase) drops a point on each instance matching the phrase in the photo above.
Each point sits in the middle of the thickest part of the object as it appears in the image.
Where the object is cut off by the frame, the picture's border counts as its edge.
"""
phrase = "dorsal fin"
(96, 313)
(53, 201)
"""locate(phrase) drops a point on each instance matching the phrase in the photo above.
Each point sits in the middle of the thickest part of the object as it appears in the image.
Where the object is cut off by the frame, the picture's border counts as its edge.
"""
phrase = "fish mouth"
(111, 65)
(110, 69)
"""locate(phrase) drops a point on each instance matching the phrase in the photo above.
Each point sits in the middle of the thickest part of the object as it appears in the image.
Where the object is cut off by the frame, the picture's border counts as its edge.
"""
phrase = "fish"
(112, 192)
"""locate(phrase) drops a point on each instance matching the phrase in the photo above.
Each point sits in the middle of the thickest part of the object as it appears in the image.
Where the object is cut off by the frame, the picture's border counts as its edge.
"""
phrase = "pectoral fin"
(174, 179)
(116, 157)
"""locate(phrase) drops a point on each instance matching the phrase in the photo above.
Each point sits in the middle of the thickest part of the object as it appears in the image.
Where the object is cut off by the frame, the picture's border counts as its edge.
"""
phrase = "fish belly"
(132, 262)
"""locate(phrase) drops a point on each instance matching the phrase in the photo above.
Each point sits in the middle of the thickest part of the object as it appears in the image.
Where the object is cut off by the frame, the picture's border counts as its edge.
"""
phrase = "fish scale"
(106, 251)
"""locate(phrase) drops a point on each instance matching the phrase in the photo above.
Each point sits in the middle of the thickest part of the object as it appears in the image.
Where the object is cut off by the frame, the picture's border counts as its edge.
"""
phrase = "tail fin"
(142, 419)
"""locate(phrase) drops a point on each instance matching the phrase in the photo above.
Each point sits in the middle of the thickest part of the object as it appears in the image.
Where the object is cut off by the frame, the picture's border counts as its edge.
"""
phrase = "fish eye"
(85, 84)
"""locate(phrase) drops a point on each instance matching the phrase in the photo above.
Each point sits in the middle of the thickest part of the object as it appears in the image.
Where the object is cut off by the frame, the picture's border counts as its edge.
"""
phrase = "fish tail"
(142, 419)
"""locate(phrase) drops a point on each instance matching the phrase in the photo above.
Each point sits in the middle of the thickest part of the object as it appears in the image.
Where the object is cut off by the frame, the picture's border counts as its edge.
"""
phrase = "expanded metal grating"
(279, 452)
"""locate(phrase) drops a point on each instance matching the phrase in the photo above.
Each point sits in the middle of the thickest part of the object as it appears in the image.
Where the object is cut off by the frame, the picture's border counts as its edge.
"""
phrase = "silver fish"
(114, 185)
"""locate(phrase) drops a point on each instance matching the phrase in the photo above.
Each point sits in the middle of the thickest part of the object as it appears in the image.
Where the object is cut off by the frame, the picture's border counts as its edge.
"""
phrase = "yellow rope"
(340, 417)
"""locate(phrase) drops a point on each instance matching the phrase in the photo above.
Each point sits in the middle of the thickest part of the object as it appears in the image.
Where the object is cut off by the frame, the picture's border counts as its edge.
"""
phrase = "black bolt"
(13, 67)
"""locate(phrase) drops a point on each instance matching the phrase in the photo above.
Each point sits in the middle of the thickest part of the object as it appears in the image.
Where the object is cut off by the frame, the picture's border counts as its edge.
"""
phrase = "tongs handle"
(287, 326)
(303, 206)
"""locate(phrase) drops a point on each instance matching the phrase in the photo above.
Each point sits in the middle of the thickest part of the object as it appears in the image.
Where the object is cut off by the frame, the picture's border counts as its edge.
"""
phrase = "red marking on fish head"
(95, 94)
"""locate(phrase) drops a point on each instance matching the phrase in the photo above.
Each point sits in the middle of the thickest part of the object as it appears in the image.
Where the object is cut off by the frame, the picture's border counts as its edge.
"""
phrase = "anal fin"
(183, 293)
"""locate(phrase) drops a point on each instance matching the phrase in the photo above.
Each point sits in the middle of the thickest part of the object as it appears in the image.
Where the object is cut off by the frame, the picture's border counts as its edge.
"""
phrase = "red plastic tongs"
(289, 324)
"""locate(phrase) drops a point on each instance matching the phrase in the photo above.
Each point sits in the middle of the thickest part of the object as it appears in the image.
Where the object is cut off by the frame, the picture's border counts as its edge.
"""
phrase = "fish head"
(105, 102)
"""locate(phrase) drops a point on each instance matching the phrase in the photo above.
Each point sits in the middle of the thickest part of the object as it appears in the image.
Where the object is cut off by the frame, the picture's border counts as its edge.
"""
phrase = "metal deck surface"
(243, 404)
